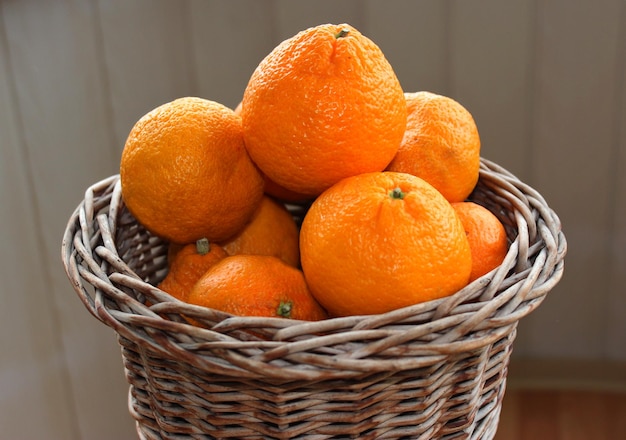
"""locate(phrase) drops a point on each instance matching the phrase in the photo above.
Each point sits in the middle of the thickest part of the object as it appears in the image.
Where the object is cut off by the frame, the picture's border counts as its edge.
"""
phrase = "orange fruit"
(185, 172)
(256, 285)
(278, 192)
(379, 241)
(487, 237)
(323, 105)
(441, 145)
(272, 231)
(188, 265)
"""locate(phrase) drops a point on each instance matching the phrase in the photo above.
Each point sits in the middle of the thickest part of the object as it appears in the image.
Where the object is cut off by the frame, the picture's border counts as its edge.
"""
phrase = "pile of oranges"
(383, 175)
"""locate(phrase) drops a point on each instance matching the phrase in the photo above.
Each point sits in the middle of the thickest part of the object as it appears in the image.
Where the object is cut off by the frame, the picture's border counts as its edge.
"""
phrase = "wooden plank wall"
(544, 80)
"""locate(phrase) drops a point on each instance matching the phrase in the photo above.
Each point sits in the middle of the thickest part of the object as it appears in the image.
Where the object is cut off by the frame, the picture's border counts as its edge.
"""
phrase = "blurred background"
(545, 81)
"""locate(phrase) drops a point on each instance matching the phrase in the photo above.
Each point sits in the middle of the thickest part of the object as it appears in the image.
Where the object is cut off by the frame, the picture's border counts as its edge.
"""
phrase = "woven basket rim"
(477, 315)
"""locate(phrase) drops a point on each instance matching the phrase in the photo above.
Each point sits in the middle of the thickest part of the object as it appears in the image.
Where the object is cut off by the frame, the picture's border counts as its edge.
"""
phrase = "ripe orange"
(323, 105)
(487, 237)
(441, 145)
(186, 174)
(256, 285)
(283, 194)
(380, 241)
(272, 188)
(188, 265)
(272, 231)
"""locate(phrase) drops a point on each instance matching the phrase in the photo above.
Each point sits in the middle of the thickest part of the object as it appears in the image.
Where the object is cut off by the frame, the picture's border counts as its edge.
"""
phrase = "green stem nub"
(397, 193)
(284, 309)
(342, 33)
(202, 246)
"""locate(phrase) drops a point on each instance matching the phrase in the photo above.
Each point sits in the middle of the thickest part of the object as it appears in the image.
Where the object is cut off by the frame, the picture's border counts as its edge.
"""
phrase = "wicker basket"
(431, 371)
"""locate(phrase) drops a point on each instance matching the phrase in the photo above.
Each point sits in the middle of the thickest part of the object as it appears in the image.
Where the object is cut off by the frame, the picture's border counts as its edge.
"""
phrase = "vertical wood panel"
(491, 61)
(573, 135)
(147, 47)
(68, 137)
(33, 374)
(616, 304)
(229, 41)
(414, 38)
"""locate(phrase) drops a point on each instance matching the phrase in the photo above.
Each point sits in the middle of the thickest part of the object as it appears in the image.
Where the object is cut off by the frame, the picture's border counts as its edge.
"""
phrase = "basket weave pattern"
(435, 370)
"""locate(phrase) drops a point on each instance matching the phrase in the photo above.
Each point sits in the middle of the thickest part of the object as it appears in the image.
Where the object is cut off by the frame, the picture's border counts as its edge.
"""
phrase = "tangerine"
(283, 194)
(188, 265)
(486, 235)
(256, 285)
(379, 241)
(323, 105)
(441, 145)
(185, 172)
(272, 231)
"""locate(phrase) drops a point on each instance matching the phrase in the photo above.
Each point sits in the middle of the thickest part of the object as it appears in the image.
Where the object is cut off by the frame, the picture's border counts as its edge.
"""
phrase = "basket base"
(485, 429)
